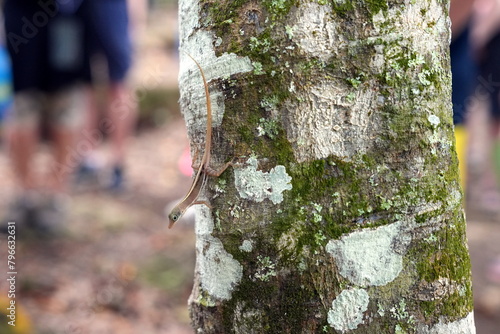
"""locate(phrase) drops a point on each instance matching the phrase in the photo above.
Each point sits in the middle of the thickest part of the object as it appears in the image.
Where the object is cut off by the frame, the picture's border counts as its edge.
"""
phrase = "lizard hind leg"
(204, 202)
(217, 172)
(196, 164)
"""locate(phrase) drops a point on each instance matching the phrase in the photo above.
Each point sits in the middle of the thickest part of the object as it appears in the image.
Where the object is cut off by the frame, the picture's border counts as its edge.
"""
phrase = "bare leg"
(23, 141)
(66, 113)
(65, 156)
(122, 113)
(23, 136)
(91, 127)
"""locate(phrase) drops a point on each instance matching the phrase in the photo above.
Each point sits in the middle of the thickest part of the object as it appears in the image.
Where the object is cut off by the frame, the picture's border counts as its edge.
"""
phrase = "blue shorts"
(108, 34)
(46, 47)
(464, 75)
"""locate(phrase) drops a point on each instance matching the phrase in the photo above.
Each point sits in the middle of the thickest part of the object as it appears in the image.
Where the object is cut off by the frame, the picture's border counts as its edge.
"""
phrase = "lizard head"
(174, 216)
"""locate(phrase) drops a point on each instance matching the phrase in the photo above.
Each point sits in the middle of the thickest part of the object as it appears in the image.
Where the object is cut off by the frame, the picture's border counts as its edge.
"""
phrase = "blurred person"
(110, 42)
(44, 41)
(464, 73)
(485, 37)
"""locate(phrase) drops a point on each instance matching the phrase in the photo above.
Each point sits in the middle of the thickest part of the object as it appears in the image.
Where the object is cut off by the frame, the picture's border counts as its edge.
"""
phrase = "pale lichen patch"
(370, 257)
(257, 186)
(462, 326)
(434, 120)
(219, 272)
(347, 309)
(246, 246)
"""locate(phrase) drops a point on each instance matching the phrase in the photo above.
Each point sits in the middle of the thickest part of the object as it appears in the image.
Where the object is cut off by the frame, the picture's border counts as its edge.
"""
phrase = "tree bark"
(344, 214)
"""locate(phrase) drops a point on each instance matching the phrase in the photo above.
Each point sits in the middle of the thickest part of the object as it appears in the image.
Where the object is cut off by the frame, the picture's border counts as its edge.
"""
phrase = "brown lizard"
(204, 169)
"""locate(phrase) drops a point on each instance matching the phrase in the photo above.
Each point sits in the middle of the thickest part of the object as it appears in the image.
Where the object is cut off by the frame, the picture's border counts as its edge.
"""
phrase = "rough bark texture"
(345, 214)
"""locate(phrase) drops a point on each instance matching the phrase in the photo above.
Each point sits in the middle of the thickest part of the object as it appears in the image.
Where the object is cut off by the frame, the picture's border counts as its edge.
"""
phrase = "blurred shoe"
(39, 214)
(22, 211)
(117, 181)
(88, 175)
(52, 214)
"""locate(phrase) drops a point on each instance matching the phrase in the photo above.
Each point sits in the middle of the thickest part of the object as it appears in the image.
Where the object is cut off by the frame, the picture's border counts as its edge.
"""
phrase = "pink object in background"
(185, 163)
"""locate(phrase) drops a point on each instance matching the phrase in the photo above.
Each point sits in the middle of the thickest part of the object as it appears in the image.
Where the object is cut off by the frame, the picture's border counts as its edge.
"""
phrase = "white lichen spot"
(462, 326)
(380, 310)
(257, 186)
(189, 21)
(455, 198)
(219, 272)
(399, 330)
(257, 68)
(434, 120)
(400, 313)
(289, 31)
(268, 127)
(347, 309)
(246, 246)
(266, 268)
(369, 257)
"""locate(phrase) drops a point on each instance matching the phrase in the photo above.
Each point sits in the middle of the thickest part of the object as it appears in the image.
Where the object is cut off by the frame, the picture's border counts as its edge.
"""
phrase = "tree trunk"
(344, 213)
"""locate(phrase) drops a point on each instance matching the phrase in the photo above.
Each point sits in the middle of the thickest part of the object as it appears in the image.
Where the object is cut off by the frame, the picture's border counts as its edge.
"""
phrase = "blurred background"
(115, 268)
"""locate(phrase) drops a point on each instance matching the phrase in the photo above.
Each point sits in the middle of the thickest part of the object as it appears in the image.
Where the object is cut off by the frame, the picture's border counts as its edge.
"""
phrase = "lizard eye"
(175, 217)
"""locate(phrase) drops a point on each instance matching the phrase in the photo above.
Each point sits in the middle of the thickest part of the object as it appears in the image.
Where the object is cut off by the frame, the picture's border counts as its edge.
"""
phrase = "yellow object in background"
(461, 146)
(22, 321)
